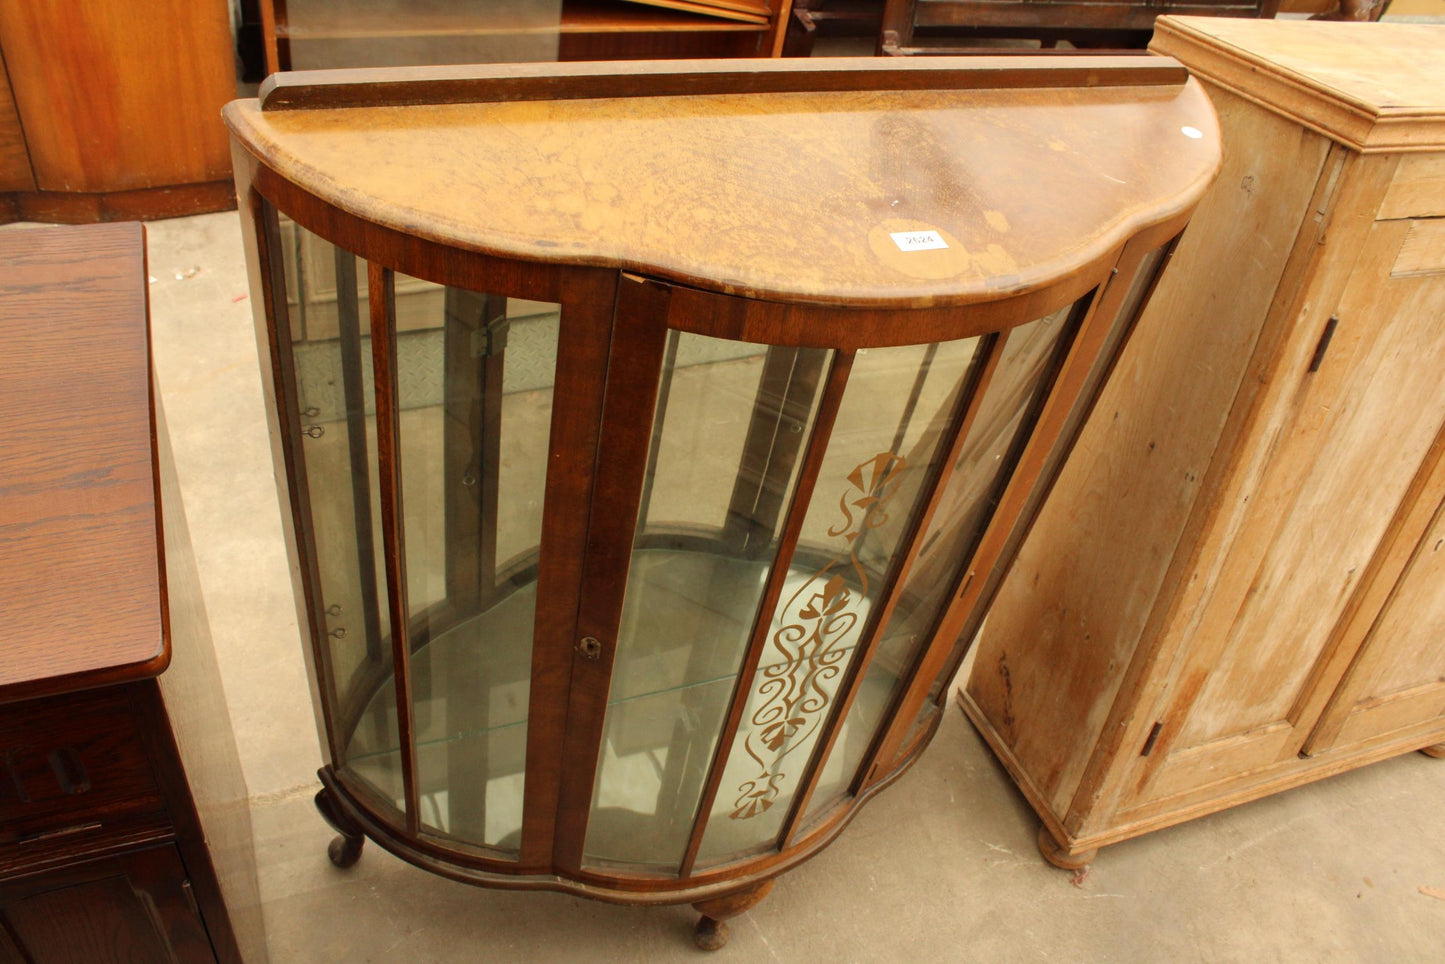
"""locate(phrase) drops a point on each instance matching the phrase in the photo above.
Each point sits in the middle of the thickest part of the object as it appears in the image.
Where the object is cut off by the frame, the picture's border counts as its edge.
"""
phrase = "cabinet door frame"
(1356, 245)
(1421, 513)
(157, 877)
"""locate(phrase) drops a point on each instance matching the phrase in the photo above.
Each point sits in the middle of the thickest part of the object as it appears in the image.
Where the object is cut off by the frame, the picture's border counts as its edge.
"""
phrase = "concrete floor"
(940, 867)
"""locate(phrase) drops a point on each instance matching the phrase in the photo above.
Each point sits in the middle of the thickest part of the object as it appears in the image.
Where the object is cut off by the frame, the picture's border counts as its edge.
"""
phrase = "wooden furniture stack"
(111, 110)
(107, 854)
(1238, 584)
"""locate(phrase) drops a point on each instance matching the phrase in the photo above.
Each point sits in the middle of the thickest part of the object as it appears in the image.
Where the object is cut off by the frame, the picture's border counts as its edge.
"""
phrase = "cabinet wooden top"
(860, 182)
(80, 589)
(1374, 86)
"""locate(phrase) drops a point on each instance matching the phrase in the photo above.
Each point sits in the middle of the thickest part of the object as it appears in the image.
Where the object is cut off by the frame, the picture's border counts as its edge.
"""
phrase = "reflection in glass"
(952, 534)
(328, 324)
(474, 398)
(887, 438)
(731, 421)
(323, 34)
(474, 375)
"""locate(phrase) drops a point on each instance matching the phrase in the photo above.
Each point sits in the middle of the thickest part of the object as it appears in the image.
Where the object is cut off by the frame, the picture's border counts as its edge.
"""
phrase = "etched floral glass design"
(732, 420)
(883, 449)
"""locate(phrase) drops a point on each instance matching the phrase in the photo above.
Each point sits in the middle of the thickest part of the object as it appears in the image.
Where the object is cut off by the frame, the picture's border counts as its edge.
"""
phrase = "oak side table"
(107, 853)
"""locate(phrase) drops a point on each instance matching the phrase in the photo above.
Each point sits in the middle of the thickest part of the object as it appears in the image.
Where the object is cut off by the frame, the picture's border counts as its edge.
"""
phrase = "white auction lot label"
(918, 240)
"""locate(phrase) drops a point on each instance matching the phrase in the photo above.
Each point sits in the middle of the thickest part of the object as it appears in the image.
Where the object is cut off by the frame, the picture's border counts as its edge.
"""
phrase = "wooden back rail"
(409, 86)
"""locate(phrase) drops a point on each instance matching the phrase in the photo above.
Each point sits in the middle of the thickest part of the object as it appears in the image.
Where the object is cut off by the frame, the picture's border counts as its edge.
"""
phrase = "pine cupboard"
(1238, 583)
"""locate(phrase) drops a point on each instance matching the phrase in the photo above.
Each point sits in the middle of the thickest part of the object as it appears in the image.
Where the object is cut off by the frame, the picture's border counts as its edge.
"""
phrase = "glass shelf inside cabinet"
(474, 375)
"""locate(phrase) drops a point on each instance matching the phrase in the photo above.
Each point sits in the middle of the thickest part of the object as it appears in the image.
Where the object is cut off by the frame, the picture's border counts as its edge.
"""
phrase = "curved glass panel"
(475, 374)
(328, 354)
(882, 451)
(952, 532)
(731, 421)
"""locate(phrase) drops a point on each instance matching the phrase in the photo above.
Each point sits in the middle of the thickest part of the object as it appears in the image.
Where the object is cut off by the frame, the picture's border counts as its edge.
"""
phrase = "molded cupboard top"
(80, 585)
(1374, 86)
(860, 182)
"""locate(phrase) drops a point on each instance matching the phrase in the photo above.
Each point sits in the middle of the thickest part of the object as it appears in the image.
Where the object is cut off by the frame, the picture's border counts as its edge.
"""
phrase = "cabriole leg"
(1437, 751)
(711, 932)
(344, 850)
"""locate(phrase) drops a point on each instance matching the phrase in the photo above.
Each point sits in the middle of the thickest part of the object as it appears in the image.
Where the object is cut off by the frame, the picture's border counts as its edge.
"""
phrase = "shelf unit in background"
(307, 34)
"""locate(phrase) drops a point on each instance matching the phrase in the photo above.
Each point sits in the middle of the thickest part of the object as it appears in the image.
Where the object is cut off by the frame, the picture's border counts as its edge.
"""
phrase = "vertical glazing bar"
(634, 371)
(981, 369)
(1100, 334)
(474, 338)
(348, 311)
(792, 529)
(588, 305)
(487, 432)
(381, 286)
(283, 382)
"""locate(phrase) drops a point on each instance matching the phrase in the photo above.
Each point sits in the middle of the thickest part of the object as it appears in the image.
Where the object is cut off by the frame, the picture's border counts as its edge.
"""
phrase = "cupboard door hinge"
(1323, 346)
(1153, 738)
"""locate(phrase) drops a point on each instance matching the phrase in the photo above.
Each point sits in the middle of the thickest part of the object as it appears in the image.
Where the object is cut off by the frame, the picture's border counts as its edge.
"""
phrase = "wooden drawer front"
(70, 763)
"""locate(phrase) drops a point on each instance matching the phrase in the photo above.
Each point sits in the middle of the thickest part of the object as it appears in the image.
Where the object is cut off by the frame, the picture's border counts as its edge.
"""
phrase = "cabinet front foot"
(711, 931)
(1061, 858)
(1437, 751)
(710, 934)
(345, 849)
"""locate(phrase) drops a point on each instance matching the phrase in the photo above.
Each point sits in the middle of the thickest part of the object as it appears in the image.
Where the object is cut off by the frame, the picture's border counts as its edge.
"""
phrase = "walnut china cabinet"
(646, 454)
(1238, 584)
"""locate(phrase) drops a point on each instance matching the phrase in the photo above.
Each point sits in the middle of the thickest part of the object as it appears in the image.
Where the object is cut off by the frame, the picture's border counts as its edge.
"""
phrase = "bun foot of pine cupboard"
(711, 931)
(710, 934)
(1437, 751)
(1061, 858)
(345, 849)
